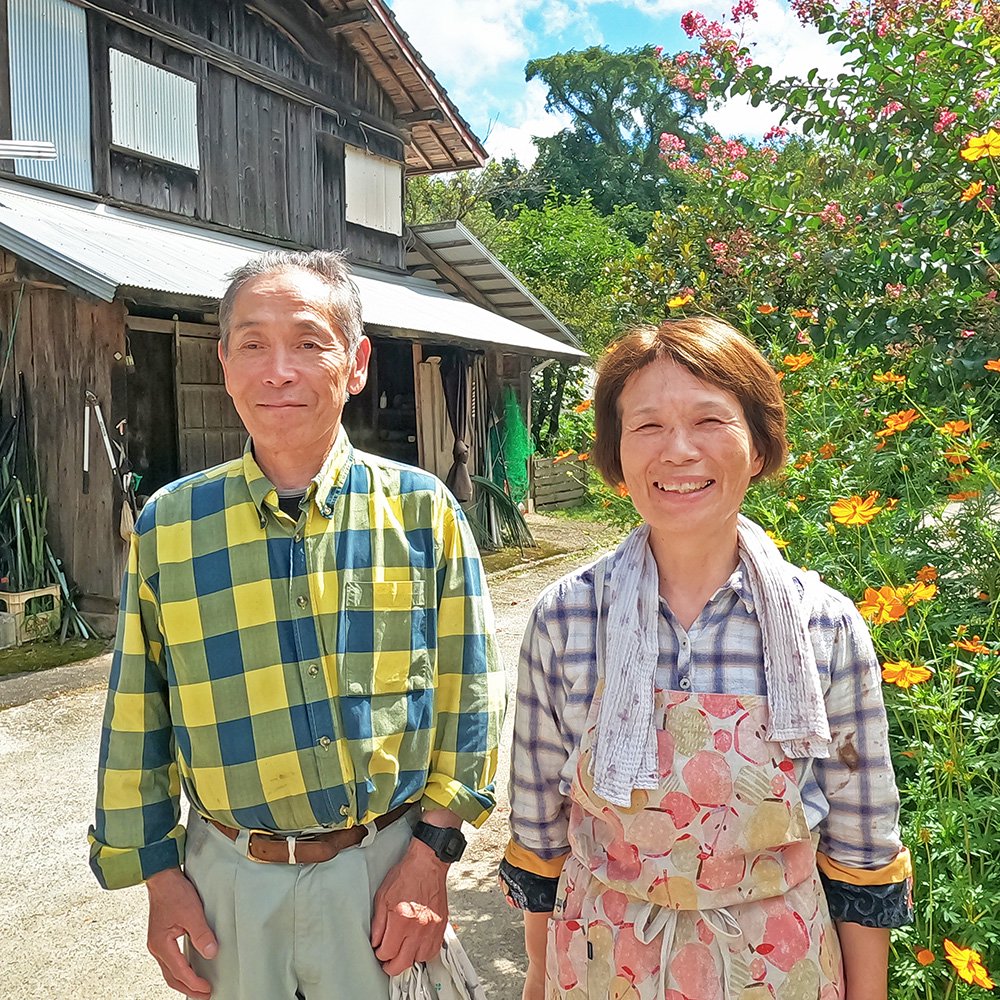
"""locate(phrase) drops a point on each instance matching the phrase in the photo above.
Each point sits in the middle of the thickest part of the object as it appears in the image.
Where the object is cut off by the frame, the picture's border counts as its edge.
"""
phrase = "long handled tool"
(93, 401)
(86, 444)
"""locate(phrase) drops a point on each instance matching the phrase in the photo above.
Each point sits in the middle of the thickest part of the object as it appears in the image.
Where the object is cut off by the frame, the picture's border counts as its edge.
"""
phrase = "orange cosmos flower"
(927, 574)
(622, 490)
(974, 190)
(968, 963)
(679, 301)
(583, 456)
(924, 956)
(957, 475)
(890, 378)
(963, 495)
(766, 309)
(854, 511)
(881, 606)
(562, 456)
(802, 313)
(955, 427)
(803, 461)
(796, 362)
(956, 456)
(982, 145)
(828, 450)
(993, 366)
(897, 422)
(904, 674)
(974, 645)
(583, 406)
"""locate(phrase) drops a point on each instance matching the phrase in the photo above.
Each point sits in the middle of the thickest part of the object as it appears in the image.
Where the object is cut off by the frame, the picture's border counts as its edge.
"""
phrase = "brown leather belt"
(308, 848)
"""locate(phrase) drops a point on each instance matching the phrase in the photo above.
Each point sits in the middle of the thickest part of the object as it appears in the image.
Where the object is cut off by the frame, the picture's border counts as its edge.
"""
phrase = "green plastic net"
(517, 446)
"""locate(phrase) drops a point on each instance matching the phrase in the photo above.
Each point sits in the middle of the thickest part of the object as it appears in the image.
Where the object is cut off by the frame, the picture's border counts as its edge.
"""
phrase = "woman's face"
(686, 452)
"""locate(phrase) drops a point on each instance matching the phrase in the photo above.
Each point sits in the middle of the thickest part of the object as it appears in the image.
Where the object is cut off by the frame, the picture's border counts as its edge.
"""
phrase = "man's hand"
(410, 910)
(175, 909)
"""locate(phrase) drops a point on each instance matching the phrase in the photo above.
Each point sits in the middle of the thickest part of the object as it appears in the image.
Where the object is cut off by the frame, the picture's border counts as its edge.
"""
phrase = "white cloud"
(514, 129)
(466, 43)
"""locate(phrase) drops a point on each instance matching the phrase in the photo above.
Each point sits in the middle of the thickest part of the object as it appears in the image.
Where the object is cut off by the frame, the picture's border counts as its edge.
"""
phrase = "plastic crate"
(36, 613)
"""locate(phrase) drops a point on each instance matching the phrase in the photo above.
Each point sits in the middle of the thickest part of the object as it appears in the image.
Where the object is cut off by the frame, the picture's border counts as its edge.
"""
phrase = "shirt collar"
(323, 487)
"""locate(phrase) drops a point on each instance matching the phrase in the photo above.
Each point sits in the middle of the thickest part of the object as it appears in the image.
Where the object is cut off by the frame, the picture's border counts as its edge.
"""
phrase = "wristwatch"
(447, 842)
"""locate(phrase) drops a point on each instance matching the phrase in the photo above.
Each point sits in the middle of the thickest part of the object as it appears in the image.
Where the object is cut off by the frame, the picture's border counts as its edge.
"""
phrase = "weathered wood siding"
(65, 345)
(268, 161)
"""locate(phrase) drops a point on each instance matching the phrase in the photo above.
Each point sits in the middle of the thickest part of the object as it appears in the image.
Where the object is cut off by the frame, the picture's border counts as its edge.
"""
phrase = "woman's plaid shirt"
(291, 676)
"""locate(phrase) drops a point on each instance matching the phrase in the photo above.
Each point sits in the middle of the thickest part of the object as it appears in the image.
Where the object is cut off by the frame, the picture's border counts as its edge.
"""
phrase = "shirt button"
(685, 683)
(313, 670)
(301, 600)
(345, 810)
(684, 642)
(327, 511)
(324, 741)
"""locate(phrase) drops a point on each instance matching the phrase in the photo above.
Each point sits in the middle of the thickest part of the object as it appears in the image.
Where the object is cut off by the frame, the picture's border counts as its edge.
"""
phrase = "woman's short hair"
(711, 350)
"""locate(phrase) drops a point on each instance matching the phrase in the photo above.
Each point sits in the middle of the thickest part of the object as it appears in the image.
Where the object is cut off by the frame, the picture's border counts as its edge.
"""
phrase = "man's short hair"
(712, 351)
(343, 306)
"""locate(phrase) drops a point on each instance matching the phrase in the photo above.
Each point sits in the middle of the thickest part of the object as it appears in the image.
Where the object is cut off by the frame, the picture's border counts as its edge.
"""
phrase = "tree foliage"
(615, 100)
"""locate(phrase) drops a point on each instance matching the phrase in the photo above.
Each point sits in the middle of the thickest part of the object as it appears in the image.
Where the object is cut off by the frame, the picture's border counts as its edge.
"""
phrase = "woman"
(702, 801)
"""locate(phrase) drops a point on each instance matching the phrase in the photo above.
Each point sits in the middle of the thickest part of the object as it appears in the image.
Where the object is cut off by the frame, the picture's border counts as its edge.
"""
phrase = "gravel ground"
(75, 942)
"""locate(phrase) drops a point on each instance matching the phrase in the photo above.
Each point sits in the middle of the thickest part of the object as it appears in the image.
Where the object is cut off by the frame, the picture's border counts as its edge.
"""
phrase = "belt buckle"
(270, 836)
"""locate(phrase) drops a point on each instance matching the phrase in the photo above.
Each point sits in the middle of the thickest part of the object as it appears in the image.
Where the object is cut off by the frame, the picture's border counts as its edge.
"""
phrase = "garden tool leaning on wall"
(121, 467)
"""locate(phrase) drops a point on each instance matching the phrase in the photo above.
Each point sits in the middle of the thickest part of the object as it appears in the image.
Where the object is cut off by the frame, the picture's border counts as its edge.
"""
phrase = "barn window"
(153, 112)
(374, 191)
(50, 88)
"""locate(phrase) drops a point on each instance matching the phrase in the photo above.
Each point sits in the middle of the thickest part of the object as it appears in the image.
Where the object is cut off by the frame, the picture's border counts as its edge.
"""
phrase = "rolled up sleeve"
(865, 867)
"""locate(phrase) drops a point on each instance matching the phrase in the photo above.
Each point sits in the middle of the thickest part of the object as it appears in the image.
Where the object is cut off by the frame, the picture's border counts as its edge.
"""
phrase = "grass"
(47, 653)
(507, 558)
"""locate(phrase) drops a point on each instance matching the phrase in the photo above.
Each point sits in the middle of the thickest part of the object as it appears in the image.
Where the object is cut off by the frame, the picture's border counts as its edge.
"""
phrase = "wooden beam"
(455, 276)
(426, 115)
(14, 281)
(344, 21)
(299, 23)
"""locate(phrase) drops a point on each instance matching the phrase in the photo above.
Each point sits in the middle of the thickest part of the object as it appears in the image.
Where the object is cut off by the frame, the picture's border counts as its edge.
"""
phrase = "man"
(305, 646)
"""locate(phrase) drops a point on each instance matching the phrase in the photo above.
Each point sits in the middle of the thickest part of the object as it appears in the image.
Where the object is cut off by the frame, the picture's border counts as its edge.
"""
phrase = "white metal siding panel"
(153, 111)
(373, 191)
(50, 88)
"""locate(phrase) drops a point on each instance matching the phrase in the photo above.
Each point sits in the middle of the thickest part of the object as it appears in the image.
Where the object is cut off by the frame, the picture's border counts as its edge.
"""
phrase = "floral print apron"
(705, 887)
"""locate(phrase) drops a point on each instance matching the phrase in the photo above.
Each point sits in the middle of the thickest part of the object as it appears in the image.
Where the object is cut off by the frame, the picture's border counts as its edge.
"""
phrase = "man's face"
(288, 369)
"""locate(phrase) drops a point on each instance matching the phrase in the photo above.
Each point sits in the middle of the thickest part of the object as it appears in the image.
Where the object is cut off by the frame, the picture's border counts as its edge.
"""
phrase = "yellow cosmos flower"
(881, 606)
(974, 190)
(679, 301)
(982, 145)
(889, 378)
(779, 542)
(803, 313)
(904, 674)
(914, 593)
(854, 510)
(796, 362)
(968, 963)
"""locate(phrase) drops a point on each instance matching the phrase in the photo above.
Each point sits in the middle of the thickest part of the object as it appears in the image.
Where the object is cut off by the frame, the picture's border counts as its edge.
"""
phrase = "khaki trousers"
(291, 932)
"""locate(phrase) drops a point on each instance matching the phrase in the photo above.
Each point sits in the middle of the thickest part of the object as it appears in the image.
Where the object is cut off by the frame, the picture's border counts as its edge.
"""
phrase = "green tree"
(618, 102)
(568, 253)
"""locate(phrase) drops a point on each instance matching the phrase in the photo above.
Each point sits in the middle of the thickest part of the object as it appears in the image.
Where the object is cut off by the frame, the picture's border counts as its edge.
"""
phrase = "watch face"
(452, 848)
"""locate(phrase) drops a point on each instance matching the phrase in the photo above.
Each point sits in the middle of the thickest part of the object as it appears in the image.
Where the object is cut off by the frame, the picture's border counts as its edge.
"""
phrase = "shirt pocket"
(386, 638)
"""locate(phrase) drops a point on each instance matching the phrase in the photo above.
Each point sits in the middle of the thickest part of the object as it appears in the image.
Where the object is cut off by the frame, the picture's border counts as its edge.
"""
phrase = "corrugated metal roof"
(451, 256)
(105, 250)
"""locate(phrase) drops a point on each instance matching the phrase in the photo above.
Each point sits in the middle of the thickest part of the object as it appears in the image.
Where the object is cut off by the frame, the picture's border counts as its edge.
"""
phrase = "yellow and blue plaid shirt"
(291, 675)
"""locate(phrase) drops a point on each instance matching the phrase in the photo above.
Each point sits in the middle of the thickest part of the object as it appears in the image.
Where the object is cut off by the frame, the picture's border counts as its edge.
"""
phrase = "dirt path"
(74, 942)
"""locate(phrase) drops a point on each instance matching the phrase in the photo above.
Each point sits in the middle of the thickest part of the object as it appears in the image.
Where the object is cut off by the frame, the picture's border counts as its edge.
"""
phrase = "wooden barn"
(190, 136)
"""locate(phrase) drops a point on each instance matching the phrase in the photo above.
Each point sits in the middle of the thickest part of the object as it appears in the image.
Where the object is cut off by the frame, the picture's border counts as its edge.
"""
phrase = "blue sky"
(478, 50)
